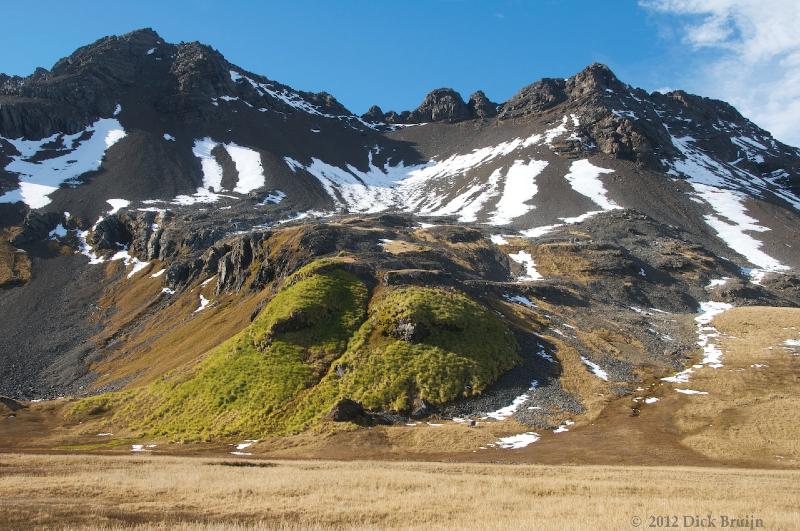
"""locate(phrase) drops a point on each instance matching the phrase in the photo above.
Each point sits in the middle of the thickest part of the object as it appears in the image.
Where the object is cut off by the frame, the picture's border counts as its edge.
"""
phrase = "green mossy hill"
(314, 344)
(246, 385)
(425, 344)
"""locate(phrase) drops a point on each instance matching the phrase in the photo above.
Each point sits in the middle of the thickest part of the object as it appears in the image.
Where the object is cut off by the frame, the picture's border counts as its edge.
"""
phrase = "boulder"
(10, 404)
(347, 410)
(421, 409)
(409, 331)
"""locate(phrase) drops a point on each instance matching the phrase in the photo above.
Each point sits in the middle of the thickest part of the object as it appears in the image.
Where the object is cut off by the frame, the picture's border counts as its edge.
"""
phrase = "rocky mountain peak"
(200, 69)
(534, 98)
(374, 115)
(441, 105)
(594, 78)
(706, 108)
(481, 106)
(113, 52)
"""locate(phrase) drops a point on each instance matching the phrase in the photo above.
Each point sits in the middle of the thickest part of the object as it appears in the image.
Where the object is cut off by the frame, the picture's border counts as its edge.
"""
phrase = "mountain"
(238, 256)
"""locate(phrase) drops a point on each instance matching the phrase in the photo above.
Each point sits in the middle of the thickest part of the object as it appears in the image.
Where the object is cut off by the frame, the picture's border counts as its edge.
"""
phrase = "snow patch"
(76, 156)
(524, 258)
(719, 185)
(732, 224)
(142, 447)
(274, 198)
(248, 166)
(519, 188)
(564, 426)
(691, 392)
(519, 299)
(117, 205)
(243, 446)
(717, 282)
(539, 231)
(505, 412)
(212, 171)
(518, 441)
(584, 177)
(203, 304)
(712, 355)
(595, 368)
(58, 232)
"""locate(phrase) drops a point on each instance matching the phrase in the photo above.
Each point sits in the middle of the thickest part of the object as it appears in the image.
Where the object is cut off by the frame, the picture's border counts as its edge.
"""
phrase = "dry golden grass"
(575, 378)
(157, 343)
(401, 247)
(562, 260)
(15, 266)
(191, 493)
(751, 413)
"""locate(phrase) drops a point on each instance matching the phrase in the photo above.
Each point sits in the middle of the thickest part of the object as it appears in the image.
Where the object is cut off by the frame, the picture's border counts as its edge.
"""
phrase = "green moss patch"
(424, 344)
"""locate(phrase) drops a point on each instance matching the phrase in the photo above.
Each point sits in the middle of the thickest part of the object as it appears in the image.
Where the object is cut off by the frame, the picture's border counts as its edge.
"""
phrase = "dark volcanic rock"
(595, 78)
(441, 105)
(409, 331)
(534, 98)
(393, 117)
(481, 107)
(374, 115)
(347, 410)
(421, 409)
(36, 227)
(420, 277)
(10, 403)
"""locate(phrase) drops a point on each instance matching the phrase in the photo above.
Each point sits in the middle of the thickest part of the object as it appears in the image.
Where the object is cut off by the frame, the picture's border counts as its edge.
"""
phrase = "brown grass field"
(164, 492)
(734, 451)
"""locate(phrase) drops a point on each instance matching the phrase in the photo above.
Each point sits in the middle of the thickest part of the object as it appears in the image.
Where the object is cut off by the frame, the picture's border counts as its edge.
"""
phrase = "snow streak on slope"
(706, 339)
(293, 99)
(69, 156)
(248, 165)
(519, 188)
(525, 259)
(729, 205)
(712, 355)
(430, 188)
(250, 172)
(584, 177)
(212, 171)
(724, 188)
(470, 211)
(507, 411)
(595, 368)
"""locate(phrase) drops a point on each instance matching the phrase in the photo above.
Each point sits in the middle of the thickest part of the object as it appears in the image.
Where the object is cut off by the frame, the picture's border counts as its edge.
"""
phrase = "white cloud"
(758, 68)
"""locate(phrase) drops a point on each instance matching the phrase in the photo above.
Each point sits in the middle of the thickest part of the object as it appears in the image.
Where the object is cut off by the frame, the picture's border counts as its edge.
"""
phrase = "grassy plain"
(159, 492)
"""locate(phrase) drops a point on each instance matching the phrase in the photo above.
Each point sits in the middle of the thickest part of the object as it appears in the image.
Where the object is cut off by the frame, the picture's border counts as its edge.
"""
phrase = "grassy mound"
(313, 345)
(246, 384)
(425, 344)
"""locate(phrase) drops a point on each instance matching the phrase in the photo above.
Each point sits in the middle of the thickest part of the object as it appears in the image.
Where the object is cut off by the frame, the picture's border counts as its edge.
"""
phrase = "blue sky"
(392, 53)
